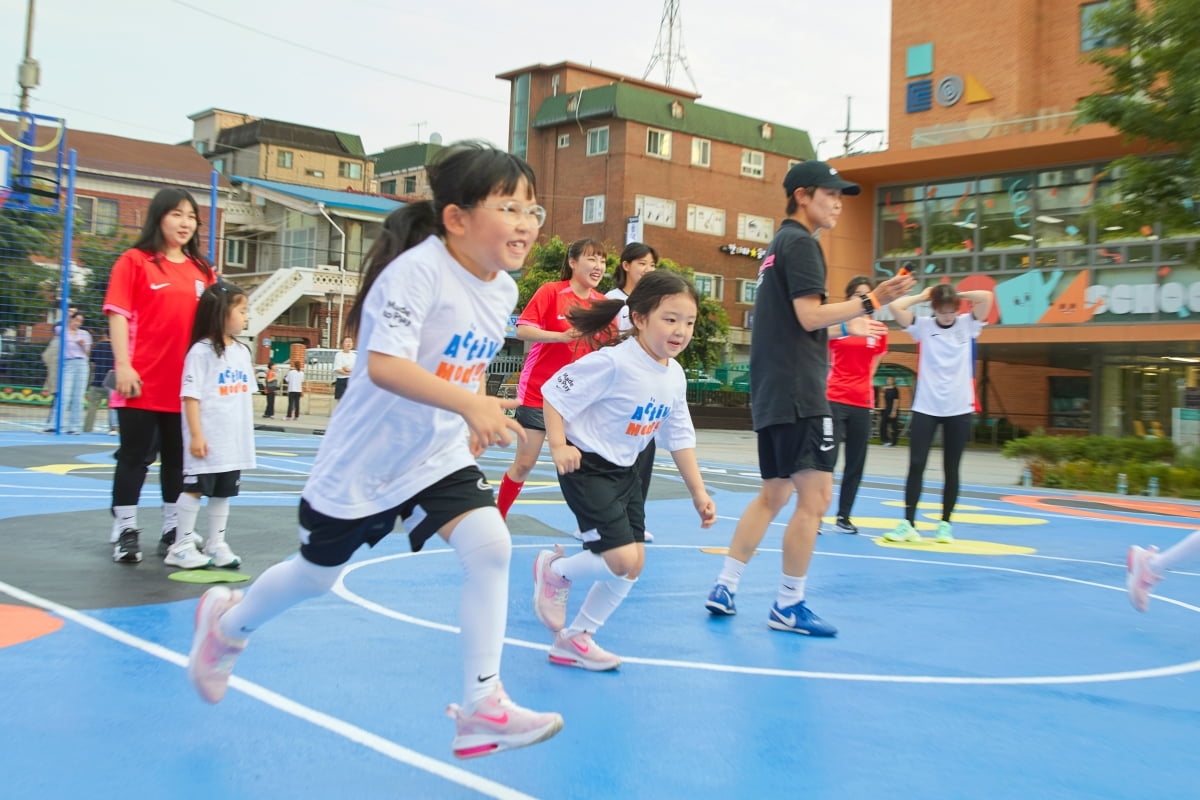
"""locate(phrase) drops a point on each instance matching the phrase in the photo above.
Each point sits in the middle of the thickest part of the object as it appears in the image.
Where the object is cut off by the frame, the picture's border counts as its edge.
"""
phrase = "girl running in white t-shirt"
(945, 394)
(218, 426)
(430, 317)
(601, 414)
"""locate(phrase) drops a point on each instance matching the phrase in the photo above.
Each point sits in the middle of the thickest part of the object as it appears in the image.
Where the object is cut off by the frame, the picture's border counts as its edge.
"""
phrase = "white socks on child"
(1186, 550)
(731, 573)
(188, 508)
(484, 548)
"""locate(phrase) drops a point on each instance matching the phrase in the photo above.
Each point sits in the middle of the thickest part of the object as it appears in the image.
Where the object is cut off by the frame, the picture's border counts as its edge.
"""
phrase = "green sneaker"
(944, 536)
(903, 532)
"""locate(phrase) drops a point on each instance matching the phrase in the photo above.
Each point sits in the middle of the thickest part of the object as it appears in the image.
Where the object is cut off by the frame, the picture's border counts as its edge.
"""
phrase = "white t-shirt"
(613, 401)
(380, 449)
(624, 323)
(295, 380)
(945, 365)
(223, 385)
(343, 359)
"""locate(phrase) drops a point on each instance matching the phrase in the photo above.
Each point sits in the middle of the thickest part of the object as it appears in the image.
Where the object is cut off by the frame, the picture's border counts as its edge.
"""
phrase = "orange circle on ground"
(22, 624)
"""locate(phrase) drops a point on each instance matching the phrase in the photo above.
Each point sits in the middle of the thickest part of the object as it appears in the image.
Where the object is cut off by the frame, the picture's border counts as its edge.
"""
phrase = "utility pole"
(28, 73)
(862, 134)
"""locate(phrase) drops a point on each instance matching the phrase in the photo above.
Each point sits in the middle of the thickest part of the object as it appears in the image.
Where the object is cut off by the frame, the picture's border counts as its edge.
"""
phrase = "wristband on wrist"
(844, 331)
(868, 303)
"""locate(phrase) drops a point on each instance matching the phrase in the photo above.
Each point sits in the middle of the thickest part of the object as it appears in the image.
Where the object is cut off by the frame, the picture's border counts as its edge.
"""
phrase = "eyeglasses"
(513, 210)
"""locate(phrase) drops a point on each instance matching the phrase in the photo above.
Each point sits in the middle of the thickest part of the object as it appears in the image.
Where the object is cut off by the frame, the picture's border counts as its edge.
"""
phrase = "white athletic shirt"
(295, 380)
(224, 386)
(343, 359)
(380, 449)
(615, 400)
(945, 365)
(624, 323)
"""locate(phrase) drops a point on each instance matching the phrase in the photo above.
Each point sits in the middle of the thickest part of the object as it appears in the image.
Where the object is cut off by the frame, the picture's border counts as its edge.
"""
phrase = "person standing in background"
(77, 350)
(270, 389)
(889, 420)
(99, 389)
(295, 387)
(343, 365)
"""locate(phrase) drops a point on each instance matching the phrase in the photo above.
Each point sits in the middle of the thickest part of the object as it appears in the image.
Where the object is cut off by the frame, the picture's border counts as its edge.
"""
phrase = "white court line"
(340, 589)
(302, 712)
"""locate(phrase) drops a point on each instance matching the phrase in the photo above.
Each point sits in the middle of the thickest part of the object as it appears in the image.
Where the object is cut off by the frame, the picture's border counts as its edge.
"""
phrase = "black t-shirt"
(891, 397)
(788, 365)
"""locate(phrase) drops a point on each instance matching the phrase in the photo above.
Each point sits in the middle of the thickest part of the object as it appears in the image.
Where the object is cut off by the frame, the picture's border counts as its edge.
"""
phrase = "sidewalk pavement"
(980, 466)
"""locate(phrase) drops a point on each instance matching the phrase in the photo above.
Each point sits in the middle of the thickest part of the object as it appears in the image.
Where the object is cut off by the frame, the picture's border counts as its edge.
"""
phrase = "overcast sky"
(395, 70)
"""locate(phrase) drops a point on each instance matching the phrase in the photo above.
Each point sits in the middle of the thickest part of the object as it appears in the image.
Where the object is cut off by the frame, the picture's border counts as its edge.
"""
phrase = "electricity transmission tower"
(668, 50)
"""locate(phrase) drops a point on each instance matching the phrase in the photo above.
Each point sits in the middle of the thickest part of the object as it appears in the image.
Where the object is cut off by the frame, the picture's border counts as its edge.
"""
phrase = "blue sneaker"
(799, 619)
(720, 601)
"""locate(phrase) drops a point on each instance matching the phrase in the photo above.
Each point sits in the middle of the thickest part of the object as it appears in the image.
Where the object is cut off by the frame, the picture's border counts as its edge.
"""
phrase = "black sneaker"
(844, 525)
(127, 550)
(165, 542)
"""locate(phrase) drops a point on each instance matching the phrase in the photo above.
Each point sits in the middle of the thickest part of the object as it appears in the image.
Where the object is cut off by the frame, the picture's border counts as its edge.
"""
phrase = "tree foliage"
(712, 323)
(1151, 92)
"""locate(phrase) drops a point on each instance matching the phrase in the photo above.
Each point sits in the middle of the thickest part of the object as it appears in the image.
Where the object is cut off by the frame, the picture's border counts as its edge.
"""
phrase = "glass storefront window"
(901, 222)
(1063, 196)
(951, 217)
(1006, 209)
(962, 264)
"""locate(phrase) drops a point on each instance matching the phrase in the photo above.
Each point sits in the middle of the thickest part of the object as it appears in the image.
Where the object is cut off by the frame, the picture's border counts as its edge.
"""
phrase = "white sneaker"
(213, 654)
(1139, 578)
(499, 724)
(221, 555)
(185, 556)
(649, 536)
(581, 651)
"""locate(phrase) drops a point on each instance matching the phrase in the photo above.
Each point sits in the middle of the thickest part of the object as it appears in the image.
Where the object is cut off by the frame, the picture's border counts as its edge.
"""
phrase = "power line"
(334, 56)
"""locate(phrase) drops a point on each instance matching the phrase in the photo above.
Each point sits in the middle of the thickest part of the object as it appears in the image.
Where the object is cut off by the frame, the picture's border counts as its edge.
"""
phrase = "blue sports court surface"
(1009, 664)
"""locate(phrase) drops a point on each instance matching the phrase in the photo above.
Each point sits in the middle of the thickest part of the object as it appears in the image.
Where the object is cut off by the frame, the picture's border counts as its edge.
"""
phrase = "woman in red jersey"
(151, 302)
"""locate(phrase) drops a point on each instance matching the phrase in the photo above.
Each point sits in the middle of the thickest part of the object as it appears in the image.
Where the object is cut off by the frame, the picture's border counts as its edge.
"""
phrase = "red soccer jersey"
(160, 305)
(850, 359)
(547, 311)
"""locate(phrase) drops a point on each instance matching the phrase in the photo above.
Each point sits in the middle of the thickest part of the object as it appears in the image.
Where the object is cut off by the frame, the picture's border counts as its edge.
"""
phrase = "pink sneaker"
(1139, 577)
(550, 591)
(580, 651)
(499, 724)
(213, 654)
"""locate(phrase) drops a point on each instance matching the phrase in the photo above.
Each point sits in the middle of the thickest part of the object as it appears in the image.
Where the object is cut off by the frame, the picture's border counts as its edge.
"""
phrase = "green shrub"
(1093, 463)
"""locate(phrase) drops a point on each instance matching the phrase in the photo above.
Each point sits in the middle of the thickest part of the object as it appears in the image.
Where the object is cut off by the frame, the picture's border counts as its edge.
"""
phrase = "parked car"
(697, 379)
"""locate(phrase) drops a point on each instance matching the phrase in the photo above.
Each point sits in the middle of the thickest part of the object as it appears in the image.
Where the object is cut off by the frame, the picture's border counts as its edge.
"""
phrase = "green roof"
(406, 157)
(622, 101)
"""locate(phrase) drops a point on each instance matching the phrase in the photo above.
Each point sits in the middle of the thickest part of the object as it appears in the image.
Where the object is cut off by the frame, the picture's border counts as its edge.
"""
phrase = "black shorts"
(339, 387)
(807, 443)
(214, 484)
(608, 501)
(330, 541)
(530, 417)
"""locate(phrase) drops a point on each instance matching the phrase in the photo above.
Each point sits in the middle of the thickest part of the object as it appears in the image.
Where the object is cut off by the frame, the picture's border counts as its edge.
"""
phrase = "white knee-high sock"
(484, 548)
(1185, 550)
(583, 566)
(170, 514)
(189, 508)
(276, 590)
(218, 518)
(731, 573)
(601, 601)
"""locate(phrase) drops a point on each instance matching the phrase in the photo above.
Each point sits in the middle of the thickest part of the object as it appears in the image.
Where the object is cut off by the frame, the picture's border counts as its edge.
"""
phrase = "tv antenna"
(847, 143)
(668, 50)
(418, 126)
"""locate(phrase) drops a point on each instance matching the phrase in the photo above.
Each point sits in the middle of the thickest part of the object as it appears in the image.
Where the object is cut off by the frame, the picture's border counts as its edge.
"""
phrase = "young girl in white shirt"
(945, 394)
(218, 426)
(430, 317)
(602, 412)
(295, 388)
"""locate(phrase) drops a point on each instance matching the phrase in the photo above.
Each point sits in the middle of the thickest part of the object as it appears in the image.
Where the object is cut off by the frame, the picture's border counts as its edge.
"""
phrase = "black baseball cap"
(816, 173)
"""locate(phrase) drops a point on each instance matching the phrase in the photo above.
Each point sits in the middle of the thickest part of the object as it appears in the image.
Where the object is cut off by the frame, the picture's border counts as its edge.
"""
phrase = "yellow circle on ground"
(933, 505)
(964, 546)
(991, 519)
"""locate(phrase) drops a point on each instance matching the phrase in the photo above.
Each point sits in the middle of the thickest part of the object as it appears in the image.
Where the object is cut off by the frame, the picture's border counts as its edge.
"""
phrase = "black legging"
(144, 435)
(955, 433)
(293, 409)
(852, 426)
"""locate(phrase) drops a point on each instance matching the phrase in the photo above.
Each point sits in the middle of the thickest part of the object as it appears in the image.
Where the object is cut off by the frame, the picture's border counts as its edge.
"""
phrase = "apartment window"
(752, 163)
(410, 184)
(520, 116)
(1091, 35)
(97, 215)
(747, 291)
(564, 140)
(315, 173)
(350, 169)
(593, 208)
(753, 228)
(387, 187)
(701, 153)
(218, 164)
(709, 285)
(284, 159)
(235, 252)
(658, 143)
(597, 141)
(299, 240)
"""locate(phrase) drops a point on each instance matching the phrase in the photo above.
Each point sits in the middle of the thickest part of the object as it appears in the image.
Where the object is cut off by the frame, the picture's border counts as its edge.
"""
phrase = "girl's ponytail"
(404, 228)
